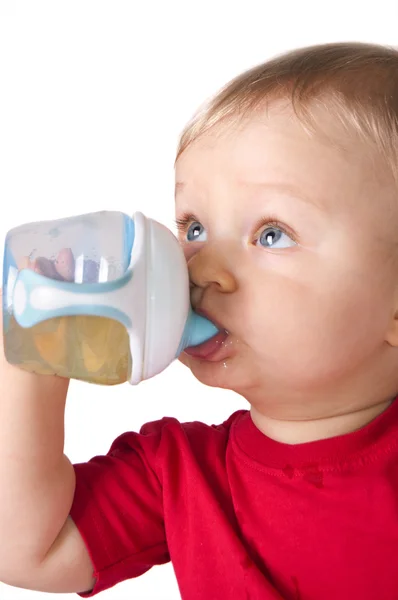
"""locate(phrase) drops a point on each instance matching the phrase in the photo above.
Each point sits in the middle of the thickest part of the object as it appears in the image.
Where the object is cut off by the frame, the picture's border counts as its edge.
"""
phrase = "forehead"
(275, 146)
(269, 139)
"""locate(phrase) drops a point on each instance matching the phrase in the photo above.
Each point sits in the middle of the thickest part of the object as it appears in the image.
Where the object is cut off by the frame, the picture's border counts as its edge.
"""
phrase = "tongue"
(207, 348)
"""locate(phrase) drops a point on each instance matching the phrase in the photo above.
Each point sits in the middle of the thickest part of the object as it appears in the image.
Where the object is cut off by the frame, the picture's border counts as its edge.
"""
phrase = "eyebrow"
(294, 191)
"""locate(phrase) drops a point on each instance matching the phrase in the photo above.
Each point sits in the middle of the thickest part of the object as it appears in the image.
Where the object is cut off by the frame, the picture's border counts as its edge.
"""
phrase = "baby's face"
(291, 247)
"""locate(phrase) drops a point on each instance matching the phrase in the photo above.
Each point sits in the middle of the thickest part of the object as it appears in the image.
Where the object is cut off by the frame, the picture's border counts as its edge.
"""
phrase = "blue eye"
(195, 231)
(273, 237)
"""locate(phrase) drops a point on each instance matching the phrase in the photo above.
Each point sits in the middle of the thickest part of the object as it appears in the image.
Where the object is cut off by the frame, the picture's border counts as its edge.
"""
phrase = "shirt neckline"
(377, 436)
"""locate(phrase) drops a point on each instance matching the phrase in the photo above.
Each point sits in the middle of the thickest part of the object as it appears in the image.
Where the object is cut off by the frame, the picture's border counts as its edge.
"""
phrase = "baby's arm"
(40, 547)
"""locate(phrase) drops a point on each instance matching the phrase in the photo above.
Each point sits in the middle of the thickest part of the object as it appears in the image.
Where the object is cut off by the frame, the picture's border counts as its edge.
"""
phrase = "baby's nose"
(208, 268)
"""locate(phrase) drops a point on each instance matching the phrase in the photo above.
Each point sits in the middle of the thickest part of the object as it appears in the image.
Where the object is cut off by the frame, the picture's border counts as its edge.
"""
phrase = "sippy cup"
(100, 297)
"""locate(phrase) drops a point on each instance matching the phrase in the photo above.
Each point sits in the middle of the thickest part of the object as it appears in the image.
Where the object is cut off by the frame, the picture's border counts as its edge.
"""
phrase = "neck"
(303, 431)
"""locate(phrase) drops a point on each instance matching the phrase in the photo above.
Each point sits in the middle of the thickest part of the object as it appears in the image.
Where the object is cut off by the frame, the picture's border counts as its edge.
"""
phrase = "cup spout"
(197, 330)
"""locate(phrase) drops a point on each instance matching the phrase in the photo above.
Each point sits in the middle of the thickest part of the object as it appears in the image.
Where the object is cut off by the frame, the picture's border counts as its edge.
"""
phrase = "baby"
(287, 210)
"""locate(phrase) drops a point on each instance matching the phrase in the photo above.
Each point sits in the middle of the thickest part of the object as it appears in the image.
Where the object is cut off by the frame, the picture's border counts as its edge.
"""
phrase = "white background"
(93, 95)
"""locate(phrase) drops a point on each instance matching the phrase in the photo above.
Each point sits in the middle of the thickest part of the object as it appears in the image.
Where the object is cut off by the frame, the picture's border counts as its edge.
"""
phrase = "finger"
(46, 267)
(24, 263)
(90, 271)
(65, 264)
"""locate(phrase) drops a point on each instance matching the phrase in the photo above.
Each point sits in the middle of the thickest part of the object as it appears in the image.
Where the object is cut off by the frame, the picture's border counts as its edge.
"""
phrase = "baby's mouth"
(210, 348)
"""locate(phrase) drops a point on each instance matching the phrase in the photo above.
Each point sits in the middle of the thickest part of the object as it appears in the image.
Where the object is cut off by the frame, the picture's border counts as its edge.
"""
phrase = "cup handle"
(37, 298)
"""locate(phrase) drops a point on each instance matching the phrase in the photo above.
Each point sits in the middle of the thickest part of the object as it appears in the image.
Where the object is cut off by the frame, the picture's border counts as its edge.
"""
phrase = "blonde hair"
(356, 82)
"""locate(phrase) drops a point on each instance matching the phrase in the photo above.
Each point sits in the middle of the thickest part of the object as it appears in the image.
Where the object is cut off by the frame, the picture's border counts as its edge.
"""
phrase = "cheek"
(188, 249)
(325, 324)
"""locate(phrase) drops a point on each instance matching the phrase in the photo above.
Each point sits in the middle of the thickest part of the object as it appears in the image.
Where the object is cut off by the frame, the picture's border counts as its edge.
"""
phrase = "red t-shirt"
(242, 516)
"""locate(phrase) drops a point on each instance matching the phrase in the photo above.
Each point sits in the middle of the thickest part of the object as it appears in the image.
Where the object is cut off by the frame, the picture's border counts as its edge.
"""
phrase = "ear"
(392, 332)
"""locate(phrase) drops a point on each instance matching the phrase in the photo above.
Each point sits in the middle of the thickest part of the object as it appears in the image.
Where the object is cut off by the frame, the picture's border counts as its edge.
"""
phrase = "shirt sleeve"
(118, 508)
